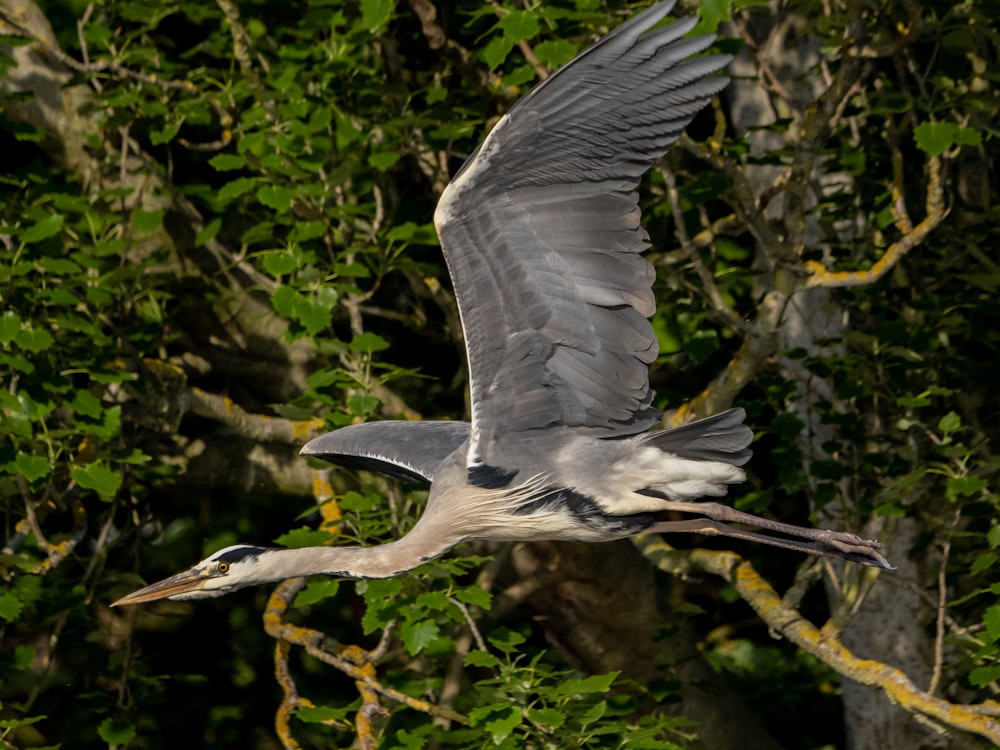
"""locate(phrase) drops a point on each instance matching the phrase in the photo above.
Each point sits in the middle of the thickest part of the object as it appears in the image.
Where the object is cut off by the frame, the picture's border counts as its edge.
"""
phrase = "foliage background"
(214, 224)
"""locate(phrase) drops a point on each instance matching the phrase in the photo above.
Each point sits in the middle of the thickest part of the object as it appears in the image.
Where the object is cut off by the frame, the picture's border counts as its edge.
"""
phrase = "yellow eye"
(223, 567)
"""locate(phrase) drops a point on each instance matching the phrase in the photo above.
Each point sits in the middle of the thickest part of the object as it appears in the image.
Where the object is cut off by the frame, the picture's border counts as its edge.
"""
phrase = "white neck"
(420, 545)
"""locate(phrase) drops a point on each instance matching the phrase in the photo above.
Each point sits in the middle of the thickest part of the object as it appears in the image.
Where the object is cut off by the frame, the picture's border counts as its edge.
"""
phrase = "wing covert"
(405, 450)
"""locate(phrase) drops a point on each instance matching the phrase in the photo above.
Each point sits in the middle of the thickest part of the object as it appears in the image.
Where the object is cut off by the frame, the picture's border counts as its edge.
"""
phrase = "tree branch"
(936, 212)
(823, 642)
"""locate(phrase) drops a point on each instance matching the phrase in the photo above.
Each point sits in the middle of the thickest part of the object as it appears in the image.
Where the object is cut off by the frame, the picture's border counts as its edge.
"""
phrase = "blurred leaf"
(376, 13)
(228, 162)
(50, 226)
(10, 326)
(116, 731)
(33, 467)
(481, 659)
(147, 221)
(519, 25)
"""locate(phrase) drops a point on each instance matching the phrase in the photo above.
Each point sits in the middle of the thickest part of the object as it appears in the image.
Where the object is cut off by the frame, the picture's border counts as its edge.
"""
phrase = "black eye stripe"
(238, 555)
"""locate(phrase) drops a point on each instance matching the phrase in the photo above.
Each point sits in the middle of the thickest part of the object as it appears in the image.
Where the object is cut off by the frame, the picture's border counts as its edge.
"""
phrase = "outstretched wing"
(541, 232)
(405, 450)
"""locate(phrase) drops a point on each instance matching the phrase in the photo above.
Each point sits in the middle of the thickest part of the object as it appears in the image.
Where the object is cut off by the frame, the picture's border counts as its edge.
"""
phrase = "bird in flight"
(540, 230)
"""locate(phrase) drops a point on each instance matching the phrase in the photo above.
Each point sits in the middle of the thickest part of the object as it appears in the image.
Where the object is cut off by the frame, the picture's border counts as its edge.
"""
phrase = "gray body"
(540, 229)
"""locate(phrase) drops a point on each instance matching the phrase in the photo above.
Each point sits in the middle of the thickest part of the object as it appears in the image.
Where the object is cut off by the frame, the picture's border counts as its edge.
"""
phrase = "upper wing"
(540, 229)
(405, 450)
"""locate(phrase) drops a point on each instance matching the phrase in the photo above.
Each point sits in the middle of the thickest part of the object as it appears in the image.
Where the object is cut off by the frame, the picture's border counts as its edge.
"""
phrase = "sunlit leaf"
(98, 477)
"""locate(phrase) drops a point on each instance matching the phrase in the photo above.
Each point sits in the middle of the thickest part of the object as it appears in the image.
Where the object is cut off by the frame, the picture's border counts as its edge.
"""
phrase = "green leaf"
(317, 590)
(227, 162)
(42, 230)
(147, 221)
(966, 136)
(712, 13)
(381, 588)
(992, 622)
(993, 536)
(598, 683)
(481, 659)
(10, 606)
(983, 676)
(554, 53)
(116, 731)
(279, 263)
(375, 13)
(502, 726)
(382, 160)
(24, 657)
(10, 326)
(594, 713)
(496, 51)
(37, 340)
(303, 537)
(314, 318)
(236, 188)
(368, 342)
(964, 487)
(475, 596)
(983, 562)
(950, 422)
(362, 405)
(98, 477)
(519, 25)
(86, 403)
(208, 232)
(32, 467)
(416, 636)
(935, 138)
(164, 134)
(505, 640)
(277, 198)
(547, 717)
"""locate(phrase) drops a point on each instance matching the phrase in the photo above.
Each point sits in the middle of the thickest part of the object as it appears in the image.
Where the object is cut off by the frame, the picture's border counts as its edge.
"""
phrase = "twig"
(942, 603)
(709, 287)
(471, 623)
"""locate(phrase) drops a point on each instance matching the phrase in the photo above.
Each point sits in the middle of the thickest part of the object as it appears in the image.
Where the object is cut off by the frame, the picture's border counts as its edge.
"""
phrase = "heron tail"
(722, 437)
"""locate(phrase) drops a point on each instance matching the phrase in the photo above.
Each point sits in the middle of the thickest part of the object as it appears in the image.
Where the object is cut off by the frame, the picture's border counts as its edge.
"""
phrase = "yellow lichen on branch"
(823, 642)
(253, 426)
(821, 276)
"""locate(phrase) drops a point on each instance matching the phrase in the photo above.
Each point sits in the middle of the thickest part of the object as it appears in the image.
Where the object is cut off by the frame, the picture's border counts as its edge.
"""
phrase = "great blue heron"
(540, 229)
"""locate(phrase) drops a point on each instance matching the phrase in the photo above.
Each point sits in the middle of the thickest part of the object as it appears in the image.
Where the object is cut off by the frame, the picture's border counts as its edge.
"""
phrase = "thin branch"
(708, 285)
(942, 605)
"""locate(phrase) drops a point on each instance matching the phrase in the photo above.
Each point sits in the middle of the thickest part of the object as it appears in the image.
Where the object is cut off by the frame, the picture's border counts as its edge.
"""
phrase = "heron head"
(220, 573)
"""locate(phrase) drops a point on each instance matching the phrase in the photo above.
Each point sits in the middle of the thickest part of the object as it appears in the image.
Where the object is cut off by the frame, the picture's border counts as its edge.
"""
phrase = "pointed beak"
(182, 583)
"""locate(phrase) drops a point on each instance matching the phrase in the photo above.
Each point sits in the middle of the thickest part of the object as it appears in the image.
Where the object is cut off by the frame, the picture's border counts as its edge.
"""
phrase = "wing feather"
(541, 231)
